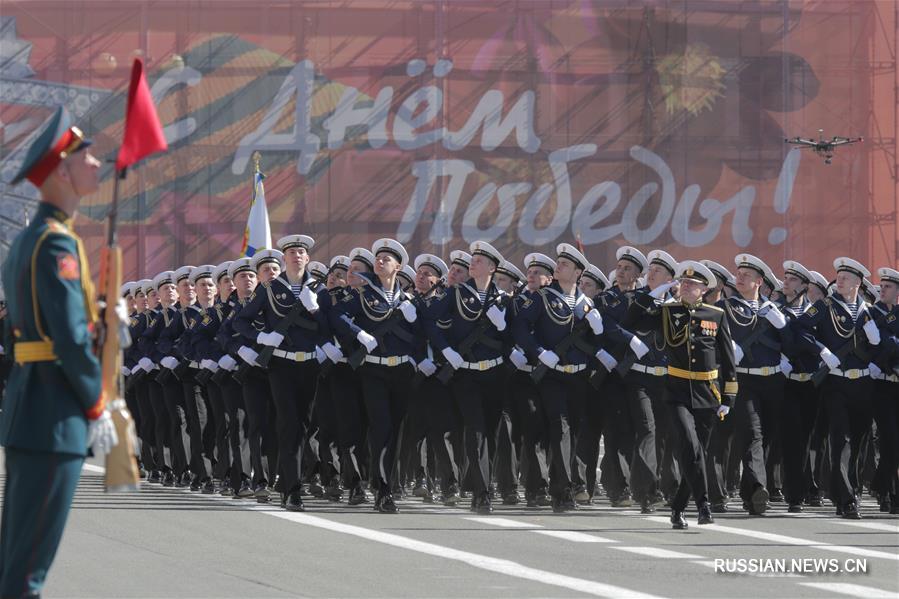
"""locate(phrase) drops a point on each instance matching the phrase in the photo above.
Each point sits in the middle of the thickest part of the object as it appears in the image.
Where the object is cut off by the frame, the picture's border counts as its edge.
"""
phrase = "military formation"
(474, 380)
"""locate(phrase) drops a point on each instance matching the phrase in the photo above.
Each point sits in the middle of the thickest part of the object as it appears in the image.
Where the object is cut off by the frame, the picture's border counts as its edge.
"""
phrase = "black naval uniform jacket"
(614, 305)
(801, 361)
(743, 323)
(229, 339)
(698, 344)
(203, 344)
(137, 324)
(828, 323)
(156, 325)
(887, 319)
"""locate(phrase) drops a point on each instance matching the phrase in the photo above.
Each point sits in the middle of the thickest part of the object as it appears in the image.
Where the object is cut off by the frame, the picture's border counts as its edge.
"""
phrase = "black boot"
(678, 522)
(293, 502)
(387, 505)
(705, 514)
(484, 506)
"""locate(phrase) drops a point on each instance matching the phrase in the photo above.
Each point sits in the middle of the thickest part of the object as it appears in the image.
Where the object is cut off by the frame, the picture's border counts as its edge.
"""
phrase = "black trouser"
(562, 400)
(641, 424)
(886, 415)
(692, 428)
(179, 440)
(325, 417)
(385, 390)
(257, 397)
(480, 399)
(800, 405)
(506, 458)
(195, 409)
(434, 402)
(771, 416)
(668, 473)
(219, 428)
(747, 442)
(591, 429)
(150, 456)
(615, 463)
(162, 432)
(818, 478)
(849, 404)
(534, 467)
(238, 427)
(718, 458)
(346, 394)
(293, 389)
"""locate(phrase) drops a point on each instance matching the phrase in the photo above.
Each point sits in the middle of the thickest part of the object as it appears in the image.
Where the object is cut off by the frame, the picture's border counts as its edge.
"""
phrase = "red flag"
(143, 133)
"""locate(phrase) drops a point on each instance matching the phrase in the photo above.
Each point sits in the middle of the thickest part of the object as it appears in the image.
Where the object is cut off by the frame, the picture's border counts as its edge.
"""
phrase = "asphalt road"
(164, 542)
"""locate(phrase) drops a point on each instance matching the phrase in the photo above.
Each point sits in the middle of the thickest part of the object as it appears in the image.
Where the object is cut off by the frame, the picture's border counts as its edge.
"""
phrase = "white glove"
(775, 317)
(248, 355)
(498, 317)
(595, 321)
(831, 360)
(874, 370)
(738, 352)
(518, 359)
(453, 357)
(210, 365)
(126, 371)
(227, 362)
(640, 348)
(147, 364)
(333, 352)
(121, 310)
(785, 367)
(408, 311)
(101, 435)
(427, 367)
(367, 340)
(723, 411)
(871, 332)
(309, 299)
(606, 359)
(660, 291)
(548, 357)
(169, 362)
(272, 339)
(320, 355)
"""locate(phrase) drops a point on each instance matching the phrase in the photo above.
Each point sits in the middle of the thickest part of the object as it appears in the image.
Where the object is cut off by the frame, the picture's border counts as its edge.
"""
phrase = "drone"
(823, 147)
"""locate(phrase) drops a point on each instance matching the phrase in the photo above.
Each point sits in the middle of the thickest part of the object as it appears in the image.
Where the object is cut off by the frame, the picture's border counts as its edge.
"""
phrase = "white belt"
(570, 368)
(763, 371)
(526, 368)
(482, 365)
(194, 364)
(852, 373)
(294, 356)
(653, 370)
(802, 377)
(892, 378)
(387, 360)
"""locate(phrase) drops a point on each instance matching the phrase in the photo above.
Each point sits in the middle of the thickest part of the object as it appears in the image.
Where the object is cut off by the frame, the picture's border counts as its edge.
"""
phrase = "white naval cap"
(432, 261)
(791, 267)
(363, 256)
(541, 260)
(612, 275)
(771, 280)
(485, 249)
(594, 273)
(166, 277)
(182, 273)
(220, 271)
(510, 270)
(241, 265)
(871, 289)
(460, 257)
(851, 266)
(267, 256)
(145, 286)
(296, 241)
(632, 254)
(339, 261)
(753, 263)
(695, 271)
(128, 288)
(720, 272)
(566, 250)
(407, 274)
(392, 247)
(200, 272)
(317, 269)
(663, 259)
(819, 280)
(888, 274)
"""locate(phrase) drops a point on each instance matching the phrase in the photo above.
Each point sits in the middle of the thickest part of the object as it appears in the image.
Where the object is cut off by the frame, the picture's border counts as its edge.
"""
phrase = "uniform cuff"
(97, 411)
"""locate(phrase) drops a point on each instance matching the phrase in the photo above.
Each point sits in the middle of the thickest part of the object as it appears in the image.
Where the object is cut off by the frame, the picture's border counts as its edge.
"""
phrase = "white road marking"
(566, 535)
(503, 522)
(870, 525)
(853, 590)
(657, 552)
(785, 540)
(92, 468)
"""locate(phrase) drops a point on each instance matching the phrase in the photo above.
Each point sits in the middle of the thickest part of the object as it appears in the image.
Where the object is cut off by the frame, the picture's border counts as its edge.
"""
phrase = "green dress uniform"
(54, 386)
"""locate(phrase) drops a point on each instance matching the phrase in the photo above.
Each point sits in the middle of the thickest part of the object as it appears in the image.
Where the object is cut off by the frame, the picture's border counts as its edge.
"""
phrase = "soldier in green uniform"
(54, 408)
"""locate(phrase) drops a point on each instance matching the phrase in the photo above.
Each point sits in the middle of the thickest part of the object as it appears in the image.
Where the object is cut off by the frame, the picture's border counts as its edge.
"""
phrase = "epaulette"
(713, 307)
(57, 227)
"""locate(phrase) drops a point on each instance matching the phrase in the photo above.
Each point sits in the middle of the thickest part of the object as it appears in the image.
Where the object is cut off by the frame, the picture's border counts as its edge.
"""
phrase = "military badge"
(708, 327)
(68, 268)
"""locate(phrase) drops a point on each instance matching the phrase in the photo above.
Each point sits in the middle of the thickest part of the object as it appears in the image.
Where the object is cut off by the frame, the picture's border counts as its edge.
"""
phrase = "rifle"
(574, 338)
(758, 336)
(294, 317)
(446, 371)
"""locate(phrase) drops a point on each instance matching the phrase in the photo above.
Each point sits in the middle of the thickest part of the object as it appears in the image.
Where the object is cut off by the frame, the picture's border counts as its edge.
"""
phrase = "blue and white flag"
(258, 234)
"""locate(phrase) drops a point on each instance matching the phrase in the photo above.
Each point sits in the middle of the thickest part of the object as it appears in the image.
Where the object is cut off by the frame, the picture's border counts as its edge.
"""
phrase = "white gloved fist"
(497, 316)
(874, 370)
(594, 319)
(146, 364)
(775, 317)
(333, 352)
(320, 355)
(871, 332)
(367, 340)
(272, 339)
(660, 291)
(408, 310)
(518, 358)
(101, 435)
(210, 365)
(830, 359)
(427, 367)
(453, 358)
(248, 355)
(309, 299)
(126, 371)
(606, 359)
(738, 352)
(227, 362)
(169, 362)
(640, 349)
(723, 411)
(548, 357)
(785, 367)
